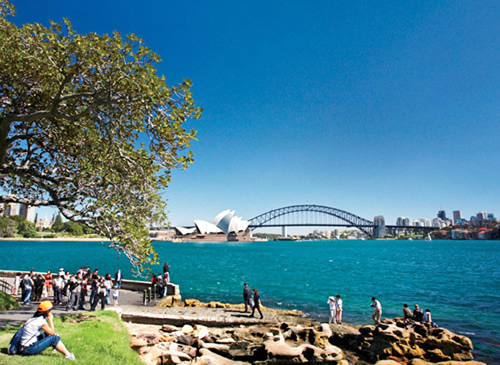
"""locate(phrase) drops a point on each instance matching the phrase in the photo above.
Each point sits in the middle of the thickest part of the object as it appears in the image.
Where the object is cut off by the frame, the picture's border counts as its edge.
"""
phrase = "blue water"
(458, 281)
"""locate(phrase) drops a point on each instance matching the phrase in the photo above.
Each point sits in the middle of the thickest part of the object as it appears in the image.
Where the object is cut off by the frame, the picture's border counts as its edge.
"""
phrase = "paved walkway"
(131, 309)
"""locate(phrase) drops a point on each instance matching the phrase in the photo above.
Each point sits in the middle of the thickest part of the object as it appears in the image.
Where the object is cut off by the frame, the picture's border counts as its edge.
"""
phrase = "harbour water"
(459, 281)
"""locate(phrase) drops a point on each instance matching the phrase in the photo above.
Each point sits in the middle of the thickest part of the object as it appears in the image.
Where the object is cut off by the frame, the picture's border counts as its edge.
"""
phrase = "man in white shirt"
(377, 313)
(338, 309)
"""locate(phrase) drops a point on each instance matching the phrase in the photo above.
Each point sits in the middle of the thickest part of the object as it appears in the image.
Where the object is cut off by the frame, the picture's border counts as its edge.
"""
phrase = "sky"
(377, 108)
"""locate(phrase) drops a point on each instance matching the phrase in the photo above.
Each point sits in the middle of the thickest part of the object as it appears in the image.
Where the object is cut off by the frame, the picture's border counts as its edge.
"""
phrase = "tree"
(58, 225)
(88, 126)
(8, 227)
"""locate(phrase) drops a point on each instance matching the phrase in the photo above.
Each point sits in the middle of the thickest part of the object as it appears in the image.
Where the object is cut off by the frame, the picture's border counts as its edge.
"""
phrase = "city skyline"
(378, 110)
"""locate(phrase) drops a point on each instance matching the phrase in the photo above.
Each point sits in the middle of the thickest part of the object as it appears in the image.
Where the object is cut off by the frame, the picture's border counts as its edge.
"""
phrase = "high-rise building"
(11, 210)
(379, 222)
(457, 214)
(28, 212)
(441, 214)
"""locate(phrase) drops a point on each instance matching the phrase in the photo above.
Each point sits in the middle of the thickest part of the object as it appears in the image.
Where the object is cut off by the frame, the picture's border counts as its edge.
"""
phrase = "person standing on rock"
(256, 303)
(247, 296)
(338, 309)
(333, 310)
(377, 313)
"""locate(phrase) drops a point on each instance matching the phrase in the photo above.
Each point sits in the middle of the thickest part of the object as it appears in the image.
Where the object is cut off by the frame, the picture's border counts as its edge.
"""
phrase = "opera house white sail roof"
(224, 222)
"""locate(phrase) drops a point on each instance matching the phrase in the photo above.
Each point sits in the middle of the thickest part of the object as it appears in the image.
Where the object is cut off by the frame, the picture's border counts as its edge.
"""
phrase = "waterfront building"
(457, 214)
(27, 212)
(11, 210)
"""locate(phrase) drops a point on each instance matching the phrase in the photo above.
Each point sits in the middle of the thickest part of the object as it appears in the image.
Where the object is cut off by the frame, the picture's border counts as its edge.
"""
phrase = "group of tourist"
(74, 289)
(253, 303)
(336, 307)
(417, 315)
(159, 283)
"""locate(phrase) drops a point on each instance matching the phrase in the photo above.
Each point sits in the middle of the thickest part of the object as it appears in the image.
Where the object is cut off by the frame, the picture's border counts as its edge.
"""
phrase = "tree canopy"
(88, 126)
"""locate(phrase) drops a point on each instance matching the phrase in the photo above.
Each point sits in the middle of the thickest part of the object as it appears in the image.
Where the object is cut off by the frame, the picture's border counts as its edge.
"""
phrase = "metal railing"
(6, 287)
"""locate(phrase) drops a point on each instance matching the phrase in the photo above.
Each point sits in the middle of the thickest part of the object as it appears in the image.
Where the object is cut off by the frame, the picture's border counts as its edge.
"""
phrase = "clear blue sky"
(378, 108)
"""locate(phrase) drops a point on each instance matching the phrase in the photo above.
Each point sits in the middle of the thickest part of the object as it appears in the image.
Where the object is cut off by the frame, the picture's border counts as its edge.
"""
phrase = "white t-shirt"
(338, 304)
(427, 317)
(32, 329)
(378, 306)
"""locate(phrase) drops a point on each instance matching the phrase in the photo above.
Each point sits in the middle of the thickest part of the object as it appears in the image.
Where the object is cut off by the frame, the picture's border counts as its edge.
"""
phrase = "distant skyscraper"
(442, 214)
(27, 212)
(482, 216)
(11, 210)
(457, 214)
(379, 222)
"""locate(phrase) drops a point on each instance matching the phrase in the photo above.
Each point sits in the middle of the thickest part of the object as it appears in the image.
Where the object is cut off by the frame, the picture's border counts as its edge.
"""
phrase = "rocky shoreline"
(287, 337)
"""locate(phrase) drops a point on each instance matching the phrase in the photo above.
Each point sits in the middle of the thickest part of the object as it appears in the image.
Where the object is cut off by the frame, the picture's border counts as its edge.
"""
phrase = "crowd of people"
(418, 315)
(159, 283)
(78, 291)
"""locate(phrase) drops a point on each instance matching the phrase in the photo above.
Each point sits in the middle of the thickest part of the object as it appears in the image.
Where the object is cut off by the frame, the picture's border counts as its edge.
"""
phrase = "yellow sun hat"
(45, 306)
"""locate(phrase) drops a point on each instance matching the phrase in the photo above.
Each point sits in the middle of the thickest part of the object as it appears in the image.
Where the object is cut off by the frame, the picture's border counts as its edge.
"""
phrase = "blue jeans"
(107, 296)
(41, 345)
(27, 296)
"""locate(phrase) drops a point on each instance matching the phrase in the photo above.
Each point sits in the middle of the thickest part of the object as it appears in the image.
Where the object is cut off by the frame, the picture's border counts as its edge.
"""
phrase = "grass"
(95, 338)
(7, 302)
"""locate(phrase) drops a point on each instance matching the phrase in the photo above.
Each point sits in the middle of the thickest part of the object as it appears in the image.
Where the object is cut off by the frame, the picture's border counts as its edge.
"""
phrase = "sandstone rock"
(387, 362)
(169, 328)
(326, 330)
(151, 355)
(192, 303)
(144, 339)
(185, 339)
(367, 330)
(210, 358)
(436, 355)
(281, 350)
(187, 329)
(226, 340)
(423, 362)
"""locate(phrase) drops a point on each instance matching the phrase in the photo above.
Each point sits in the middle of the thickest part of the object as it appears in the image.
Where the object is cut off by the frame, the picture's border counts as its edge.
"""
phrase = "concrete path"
(131, 309)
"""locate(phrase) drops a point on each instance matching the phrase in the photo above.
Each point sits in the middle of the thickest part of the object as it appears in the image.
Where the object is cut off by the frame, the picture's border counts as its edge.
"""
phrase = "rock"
(326, 330)
(169, 328)
(387, 362)
(367, 330)
(226, 340)
(200, 331)
(187, 329)
(185, 339)
(151, 355)
(423, 362)
(144, 339)
(192, 303)
(209, 358)
(281, 350)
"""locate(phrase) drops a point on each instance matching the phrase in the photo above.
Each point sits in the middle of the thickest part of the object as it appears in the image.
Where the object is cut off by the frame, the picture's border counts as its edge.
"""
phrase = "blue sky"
(378, 108)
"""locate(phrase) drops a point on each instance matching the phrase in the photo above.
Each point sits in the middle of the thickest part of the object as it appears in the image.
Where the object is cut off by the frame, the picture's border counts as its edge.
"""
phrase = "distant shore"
(54, 239)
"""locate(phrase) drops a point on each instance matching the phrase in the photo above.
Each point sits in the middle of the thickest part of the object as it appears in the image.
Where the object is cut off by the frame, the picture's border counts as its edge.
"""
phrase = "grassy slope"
(97, 338)
(7, 302)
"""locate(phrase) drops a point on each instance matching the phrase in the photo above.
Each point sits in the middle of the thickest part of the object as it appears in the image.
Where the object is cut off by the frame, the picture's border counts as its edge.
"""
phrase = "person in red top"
(48, 282)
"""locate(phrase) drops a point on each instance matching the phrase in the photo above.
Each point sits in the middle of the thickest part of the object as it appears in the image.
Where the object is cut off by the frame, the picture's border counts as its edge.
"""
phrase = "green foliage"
(99, 338)
(7, 302)
(73, 228)
(58, 225)
(8, 227)
(87, 125)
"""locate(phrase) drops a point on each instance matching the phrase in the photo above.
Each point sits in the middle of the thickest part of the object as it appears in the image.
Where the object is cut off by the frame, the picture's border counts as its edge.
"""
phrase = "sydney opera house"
(224, 227)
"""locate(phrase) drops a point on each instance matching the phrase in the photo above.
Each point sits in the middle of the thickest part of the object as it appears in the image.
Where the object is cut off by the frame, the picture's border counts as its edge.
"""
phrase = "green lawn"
(95, 338)
(7, 302)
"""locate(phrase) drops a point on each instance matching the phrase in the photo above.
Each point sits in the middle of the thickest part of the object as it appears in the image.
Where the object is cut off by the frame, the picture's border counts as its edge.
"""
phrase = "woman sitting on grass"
(42, 324)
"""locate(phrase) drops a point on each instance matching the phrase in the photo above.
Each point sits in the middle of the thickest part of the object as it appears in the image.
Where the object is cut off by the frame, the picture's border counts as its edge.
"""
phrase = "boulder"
(187, 329)
(387, 362)
(185, 339)
(144, 339)
(192, 303)
(210, 358)
(281, 350)
(367, 330)
(169, 328)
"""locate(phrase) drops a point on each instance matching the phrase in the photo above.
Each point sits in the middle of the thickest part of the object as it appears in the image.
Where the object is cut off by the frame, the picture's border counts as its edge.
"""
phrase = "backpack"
(13, 348)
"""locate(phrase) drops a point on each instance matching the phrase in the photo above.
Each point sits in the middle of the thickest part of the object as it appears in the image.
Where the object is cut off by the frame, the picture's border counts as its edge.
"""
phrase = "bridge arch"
(351, 219)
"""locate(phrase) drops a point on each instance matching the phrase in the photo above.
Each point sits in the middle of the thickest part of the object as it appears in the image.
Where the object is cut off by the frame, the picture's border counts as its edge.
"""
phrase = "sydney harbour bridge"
(311, 215)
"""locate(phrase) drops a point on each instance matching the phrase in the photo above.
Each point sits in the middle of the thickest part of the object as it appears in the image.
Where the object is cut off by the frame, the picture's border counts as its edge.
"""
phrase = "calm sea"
(459, 281)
